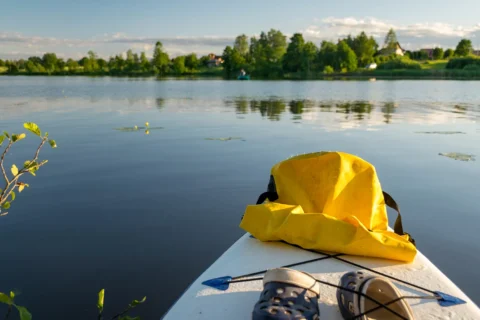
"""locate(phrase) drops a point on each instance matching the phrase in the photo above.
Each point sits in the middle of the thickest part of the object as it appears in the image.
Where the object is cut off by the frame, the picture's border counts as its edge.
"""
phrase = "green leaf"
(6, 134)
(24, 314)
(128, 318)
(101, 297)
(18, 137)
(32, 127)
(46, 134)
(2, 137)
(146, 124)
(6, 205)
(13, 195)
(14, 170)
(32, 166)
(5, 299)
(12, 294)
(134, 303)
(20, 188)
(53, 144)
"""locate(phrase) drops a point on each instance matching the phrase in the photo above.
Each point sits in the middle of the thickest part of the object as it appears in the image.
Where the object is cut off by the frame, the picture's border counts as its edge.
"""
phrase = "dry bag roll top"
(329, 201)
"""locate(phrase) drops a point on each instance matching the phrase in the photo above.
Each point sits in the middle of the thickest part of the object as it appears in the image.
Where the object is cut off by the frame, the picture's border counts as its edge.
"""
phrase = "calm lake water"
(145, 214)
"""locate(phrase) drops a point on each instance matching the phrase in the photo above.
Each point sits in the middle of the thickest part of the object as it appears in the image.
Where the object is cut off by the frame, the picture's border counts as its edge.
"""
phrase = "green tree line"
(130, 64)
(270, 55)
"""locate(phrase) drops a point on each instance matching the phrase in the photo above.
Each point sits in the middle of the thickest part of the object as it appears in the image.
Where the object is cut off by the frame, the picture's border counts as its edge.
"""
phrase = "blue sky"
(71, 28)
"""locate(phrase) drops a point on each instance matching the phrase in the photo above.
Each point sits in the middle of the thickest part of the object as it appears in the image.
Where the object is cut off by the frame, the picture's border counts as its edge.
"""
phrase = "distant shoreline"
(424, 74)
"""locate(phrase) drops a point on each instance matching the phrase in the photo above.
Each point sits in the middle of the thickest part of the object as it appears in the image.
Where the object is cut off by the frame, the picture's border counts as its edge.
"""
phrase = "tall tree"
(102, 64)
(464, 48)
(309, 55)
(293, 58)
(346, 57)
(60, 65)
(72, 64)
(241, 44)
(160, 60)
(233, 61)
(448, 53)
(191, 61)
(437, 53)
(204, 61)
(267, 52)
(144, 63)
(91, 64)
(327, 56)
(276, 44)
(179, 65)
(364, 47)
(49, 60)
(130, 60)
(136, 62)
(2, 63)
(31, 67)
(390, 40)
(35, 60)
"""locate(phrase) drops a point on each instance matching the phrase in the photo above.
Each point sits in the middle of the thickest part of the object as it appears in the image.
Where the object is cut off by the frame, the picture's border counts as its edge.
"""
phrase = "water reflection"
(342, 114)
(388, 109)
(272, 109)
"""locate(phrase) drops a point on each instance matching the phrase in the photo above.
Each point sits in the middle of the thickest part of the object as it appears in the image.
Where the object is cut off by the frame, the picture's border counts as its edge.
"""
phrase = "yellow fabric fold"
(329, 201)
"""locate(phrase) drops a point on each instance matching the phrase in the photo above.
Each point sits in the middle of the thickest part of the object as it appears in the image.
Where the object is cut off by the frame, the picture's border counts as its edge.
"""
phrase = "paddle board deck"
(249, 255)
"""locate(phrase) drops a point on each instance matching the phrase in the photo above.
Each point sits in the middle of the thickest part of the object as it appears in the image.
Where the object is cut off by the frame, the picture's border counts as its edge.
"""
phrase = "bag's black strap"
(271, 196)
(397, 228)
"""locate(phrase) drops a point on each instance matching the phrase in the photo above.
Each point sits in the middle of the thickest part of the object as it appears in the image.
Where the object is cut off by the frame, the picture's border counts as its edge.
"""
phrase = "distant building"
(476, 52)
(214, 60)
(371, 66)
(398, 50)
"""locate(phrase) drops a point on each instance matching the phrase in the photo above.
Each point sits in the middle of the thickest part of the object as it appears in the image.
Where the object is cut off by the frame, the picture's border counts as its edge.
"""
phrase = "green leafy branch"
(9, 300)
(122, 315)
(7, 194)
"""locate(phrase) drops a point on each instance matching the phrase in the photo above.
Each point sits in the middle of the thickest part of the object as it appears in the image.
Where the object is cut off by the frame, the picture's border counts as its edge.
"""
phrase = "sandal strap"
(293, 277)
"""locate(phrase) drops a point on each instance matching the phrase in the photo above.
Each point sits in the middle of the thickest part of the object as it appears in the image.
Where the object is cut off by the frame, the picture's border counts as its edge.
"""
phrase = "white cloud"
(16, 45)
(411, 36)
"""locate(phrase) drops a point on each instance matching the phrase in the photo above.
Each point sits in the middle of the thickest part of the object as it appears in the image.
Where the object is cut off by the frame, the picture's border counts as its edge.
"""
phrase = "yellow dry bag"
(329, 201)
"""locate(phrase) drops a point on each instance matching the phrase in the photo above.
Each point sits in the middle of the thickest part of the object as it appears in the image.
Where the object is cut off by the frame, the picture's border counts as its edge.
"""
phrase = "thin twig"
(4, 195)
(39, 147)
(3, 157)
(122, 313)
(8, 312)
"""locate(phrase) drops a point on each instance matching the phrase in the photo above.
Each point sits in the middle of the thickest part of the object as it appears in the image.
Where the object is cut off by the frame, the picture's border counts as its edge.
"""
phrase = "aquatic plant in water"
(226, 139)
(147, 128)
(458, 156)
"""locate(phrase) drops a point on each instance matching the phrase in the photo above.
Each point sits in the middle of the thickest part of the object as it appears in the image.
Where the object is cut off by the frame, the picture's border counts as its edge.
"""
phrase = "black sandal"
(288, 294)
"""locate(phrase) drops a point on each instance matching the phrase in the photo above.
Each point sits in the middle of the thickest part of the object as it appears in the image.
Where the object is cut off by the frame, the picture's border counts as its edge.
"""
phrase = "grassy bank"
(424, 73)
(430, 70)
(203, 72)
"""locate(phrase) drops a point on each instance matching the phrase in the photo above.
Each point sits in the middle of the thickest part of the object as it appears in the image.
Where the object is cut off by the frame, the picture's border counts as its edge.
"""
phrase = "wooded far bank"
(271, 56)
